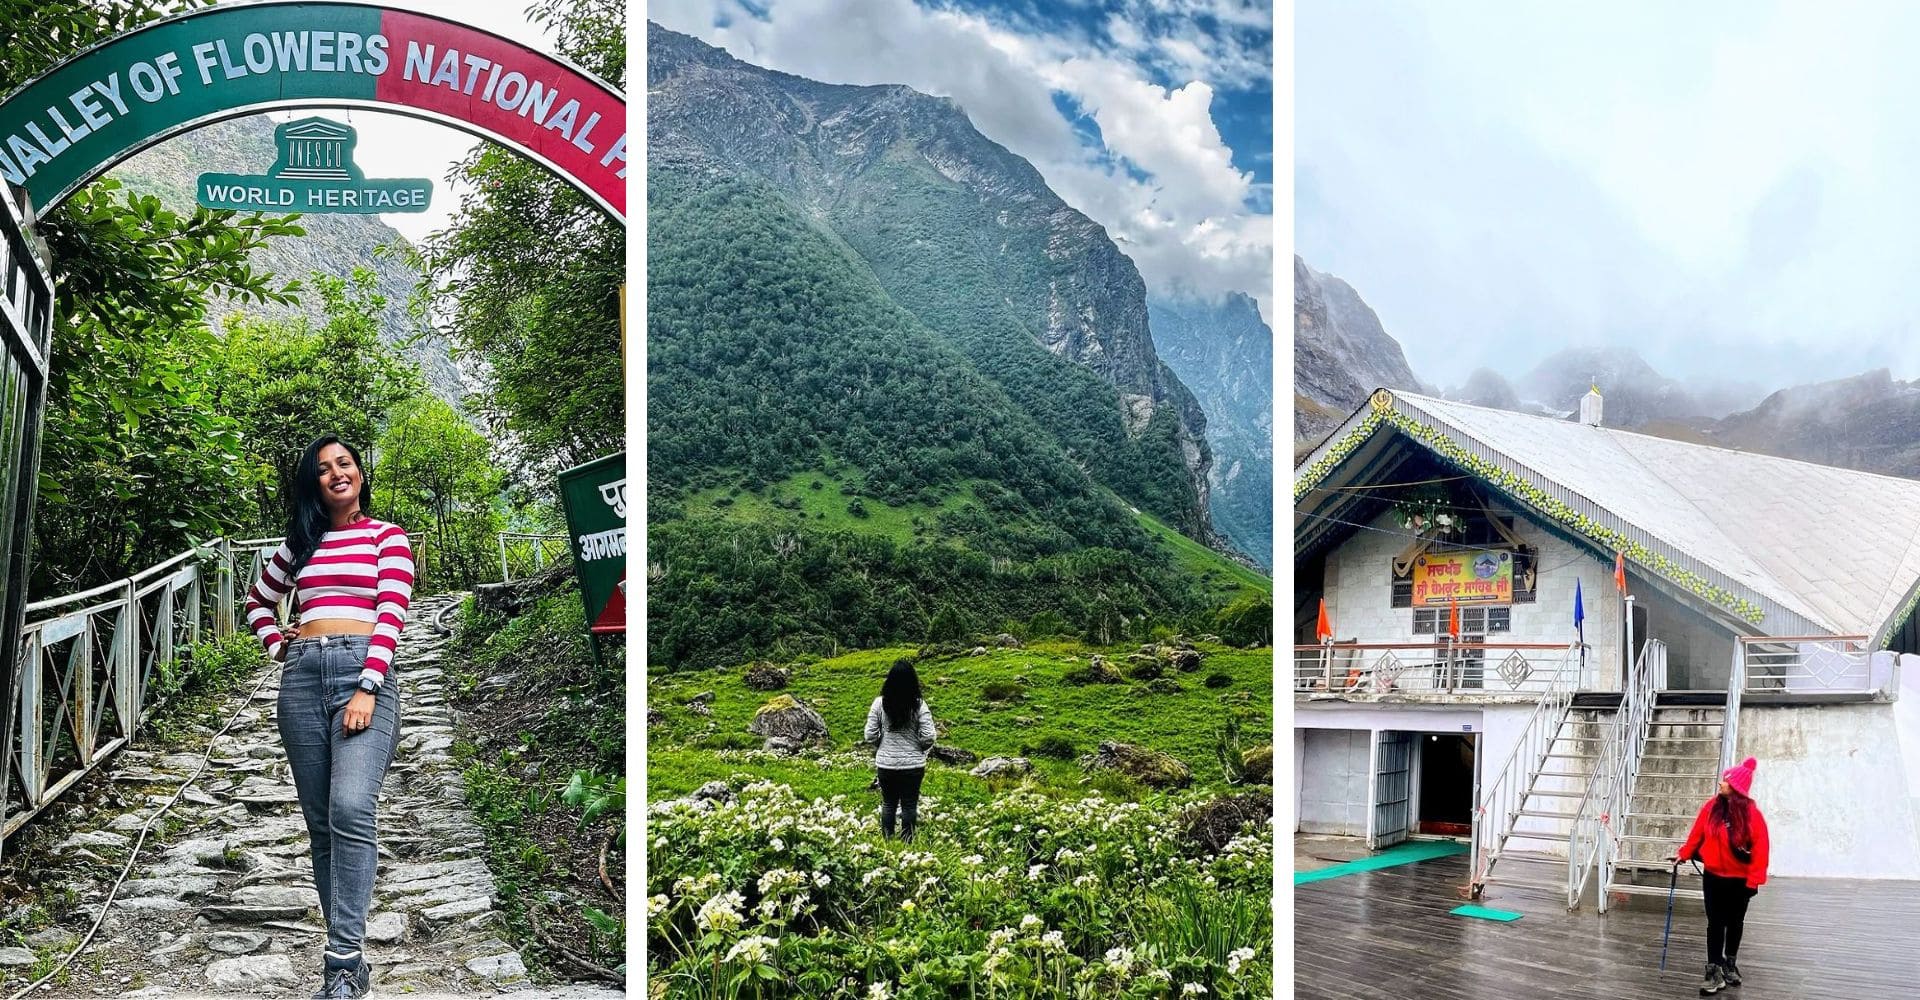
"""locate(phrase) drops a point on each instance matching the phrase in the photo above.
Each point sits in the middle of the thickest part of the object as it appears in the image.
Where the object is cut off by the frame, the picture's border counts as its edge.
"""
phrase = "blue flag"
(1579, 612)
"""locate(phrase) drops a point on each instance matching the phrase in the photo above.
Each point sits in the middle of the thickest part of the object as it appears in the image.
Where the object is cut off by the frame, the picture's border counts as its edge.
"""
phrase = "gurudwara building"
(1547, 637)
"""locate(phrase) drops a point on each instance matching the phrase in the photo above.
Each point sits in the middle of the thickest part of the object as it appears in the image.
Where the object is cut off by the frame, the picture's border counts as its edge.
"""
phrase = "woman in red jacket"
(1729, 838)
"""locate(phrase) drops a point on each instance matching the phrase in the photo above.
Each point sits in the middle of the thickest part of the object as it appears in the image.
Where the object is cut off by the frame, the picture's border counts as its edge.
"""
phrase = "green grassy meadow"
(687, 750)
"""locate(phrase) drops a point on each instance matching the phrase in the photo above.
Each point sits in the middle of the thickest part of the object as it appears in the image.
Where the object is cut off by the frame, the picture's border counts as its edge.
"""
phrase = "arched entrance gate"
(72, 124)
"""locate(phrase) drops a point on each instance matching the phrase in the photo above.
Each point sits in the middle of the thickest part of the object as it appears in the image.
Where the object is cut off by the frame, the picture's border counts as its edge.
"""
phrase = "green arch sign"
(75, 122)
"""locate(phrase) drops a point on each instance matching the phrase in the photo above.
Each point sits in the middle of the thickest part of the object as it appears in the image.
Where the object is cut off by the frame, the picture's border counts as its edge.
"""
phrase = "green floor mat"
(1402, 854)
(1486, 913)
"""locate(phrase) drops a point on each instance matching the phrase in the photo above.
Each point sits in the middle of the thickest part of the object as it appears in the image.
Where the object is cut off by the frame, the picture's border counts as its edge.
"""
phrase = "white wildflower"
(754, 950)
(657, 905)
(1031, 923)
(1236, 958)
(880, 991)
(1054, 940)
(1192, 990)
(721, 913)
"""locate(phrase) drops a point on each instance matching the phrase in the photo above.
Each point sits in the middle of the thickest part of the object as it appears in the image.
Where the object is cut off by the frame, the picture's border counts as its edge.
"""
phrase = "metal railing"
(1497, 809)
(1428, 669)
(529, 554)
(86, 663)
(1810, 664)
(1594, 841)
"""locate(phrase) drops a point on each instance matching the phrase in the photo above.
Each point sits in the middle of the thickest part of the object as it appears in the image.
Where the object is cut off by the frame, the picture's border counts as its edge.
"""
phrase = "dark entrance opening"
(1446, 784)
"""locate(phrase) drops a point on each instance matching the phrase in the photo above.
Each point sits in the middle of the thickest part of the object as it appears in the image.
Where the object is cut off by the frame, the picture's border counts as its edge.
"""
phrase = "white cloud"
(1726, 187)
(1186, 225)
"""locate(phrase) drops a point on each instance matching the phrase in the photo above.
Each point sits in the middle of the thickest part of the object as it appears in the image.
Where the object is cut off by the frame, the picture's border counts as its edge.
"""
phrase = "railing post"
(126, 673)
(223, 616)
(505, 575)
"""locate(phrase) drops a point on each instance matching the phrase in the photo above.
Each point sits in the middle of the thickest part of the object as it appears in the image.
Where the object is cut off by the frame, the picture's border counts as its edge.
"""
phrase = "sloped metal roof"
(1835, 548)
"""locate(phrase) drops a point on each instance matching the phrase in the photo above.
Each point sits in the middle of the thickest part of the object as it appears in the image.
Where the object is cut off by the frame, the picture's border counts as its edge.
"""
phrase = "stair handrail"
(1626, 747)
(1502, 799)
(1736, 685)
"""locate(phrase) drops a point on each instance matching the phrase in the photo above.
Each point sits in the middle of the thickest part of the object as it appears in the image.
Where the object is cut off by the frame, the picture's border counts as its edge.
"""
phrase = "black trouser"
(1726, 916)
(900, 789)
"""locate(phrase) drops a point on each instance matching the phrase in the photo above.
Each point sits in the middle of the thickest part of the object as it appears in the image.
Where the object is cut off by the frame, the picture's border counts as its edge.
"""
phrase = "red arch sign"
(72, 124)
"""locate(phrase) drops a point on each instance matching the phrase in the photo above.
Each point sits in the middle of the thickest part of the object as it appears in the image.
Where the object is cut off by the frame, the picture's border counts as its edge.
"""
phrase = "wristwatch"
(367, 685)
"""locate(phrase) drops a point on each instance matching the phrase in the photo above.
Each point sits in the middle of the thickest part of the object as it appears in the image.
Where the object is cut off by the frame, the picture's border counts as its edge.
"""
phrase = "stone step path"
(225, 906)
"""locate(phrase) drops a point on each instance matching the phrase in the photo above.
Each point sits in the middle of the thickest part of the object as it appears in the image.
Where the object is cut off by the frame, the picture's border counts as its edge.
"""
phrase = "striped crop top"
(362, 572)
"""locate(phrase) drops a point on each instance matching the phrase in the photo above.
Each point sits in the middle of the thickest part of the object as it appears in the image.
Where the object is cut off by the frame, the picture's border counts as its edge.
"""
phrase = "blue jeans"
(338, 776)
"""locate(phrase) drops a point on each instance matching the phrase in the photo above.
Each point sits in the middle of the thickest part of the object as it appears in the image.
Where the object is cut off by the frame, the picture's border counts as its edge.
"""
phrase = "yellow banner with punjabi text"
(1478, 577)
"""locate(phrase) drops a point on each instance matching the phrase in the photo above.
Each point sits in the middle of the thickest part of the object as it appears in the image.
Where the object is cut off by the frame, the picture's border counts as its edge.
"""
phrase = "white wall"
(1837, 785)
(1359, 592)
(1499, 727)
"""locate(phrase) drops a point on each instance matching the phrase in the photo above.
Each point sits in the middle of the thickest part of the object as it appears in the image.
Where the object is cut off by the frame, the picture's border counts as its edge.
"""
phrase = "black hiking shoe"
(1730, 972)
(347, 983)
(1714, 982)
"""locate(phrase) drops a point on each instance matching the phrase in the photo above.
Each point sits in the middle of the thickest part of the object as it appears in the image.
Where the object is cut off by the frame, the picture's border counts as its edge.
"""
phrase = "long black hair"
(900, 695)
(1733, 810)
(309, 518)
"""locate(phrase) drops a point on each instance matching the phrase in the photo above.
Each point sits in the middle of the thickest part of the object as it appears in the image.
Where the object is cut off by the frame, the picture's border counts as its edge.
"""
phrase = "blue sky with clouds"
(1154, 117)
(1732, 188)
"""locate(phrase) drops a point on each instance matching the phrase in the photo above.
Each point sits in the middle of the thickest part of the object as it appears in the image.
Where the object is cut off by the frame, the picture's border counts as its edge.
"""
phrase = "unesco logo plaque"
(315, 174)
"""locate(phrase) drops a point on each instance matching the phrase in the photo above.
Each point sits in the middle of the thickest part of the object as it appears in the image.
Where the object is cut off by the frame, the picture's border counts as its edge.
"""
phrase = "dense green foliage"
(437, 477)
(771, 350)
(138, 455)
(130, 429)
(940, 252)
(287, 384)
(825, 472)
(531, 274)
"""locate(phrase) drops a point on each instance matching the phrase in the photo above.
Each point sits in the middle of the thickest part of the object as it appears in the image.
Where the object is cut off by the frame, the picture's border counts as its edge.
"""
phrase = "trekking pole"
(1673, 880)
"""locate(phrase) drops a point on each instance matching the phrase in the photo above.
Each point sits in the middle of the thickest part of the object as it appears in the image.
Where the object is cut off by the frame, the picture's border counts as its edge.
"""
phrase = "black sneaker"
(347, 983)
(1730, 972)
(1714, 982)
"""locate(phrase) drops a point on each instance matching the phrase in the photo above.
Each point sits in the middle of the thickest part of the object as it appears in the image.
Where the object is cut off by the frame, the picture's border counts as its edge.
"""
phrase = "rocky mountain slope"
(967, 237)
(334, 244)
(1223, 351)
(1340, 354)
(1869, 422)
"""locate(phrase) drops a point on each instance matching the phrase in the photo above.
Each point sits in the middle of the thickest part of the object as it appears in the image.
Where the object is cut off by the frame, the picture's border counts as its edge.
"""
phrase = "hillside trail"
(226, 907)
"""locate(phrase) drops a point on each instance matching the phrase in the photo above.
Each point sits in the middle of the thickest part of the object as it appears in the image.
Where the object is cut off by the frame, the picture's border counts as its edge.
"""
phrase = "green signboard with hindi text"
(595, 498)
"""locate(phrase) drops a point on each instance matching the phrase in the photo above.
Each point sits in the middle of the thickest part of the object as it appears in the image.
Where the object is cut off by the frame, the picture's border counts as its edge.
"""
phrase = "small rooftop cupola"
(1590, 407)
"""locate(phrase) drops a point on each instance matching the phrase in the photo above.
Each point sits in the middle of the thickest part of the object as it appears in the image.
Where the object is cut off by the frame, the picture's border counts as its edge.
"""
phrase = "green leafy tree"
(530, 273)
(288, 382)
(137, 458)
(438, 480)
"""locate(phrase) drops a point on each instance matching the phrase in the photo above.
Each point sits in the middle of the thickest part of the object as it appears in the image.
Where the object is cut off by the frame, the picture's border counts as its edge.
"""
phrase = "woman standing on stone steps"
(351, 578)
(903, 724)
(1729, 839)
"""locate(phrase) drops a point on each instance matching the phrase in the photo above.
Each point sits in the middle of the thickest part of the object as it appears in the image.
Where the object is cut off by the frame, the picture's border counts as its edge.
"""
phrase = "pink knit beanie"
(1741, 777)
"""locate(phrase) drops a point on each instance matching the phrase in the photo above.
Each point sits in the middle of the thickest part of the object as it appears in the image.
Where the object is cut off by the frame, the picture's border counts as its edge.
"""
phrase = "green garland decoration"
(1519, 488)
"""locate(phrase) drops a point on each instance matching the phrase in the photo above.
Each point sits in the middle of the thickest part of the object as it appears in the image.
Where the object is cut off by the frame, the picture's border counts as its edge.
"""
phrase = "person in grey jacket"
(903, 725)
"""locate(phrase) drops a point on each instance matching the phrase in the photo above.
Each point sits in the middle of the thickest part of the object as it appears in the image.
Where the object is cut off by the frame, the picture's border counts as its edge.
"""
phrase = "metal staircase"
(1550, 805)
(1680, 769)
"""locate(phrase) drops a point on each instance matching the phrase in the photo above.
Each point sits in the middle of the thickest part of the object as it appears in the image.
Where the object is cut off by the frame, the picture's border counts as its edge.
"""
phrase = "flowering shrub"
(773, 895)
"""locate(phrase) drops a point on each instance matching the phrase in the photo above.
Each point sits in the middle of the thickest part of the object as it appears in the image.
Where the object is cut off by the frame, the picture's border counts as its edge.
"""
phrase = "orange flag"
(1620, 571)
(1453, 620)
(1323, 630)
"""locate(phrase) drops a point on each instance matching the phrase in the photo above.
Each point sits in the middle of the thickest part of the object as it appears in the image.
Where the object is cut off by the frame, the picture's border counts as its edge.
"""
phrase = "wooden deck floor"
(1387, 934)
